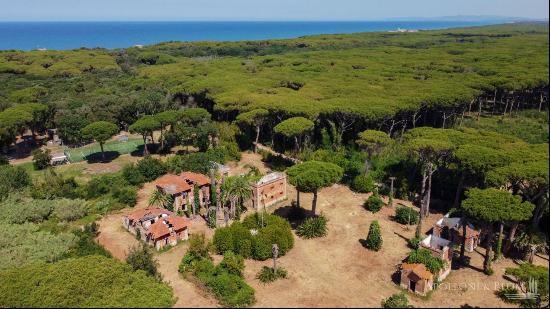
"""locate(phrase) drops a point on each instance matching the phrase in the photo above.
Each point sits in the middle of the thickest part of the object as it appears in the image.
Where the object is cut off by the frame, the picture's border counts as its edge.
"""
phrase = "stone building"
(156, 226)
(451, 229)
(181, 188)
(270, 189)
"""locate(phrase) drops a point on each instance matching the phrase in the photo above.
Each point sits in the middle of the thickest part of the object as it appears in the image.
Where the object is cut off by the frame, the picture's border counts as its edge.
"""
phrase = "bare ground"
(335, 271)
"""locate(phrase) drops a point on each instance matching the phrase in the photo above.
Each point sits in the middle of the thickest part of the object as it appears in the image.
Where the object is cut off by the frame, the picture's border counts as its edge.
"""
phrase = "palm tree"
(235, 192)
(161, 199)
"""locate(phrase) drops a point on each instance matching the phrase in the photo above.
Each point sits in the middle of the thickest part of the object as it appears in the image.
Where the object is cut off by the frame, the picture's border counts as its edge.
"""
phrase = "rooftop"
(419, 270)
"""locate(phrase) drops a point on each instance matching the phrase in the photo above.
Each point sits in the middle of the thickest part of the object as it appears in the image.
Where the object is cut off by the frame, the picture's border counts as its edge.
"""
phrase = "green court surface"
(111, 148)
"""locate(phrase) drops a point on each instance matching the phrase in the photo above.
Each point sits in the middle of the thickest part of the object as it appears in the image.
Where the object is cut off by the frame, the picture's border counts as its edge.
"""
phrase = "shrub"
(374, 238)
(27, 244)
(92, 281)
(424, 256)
(313, 228)
(69, 210)
(267, 275)
(374, 203)
(41, 159)
(141, 258)
(406, 215)
(504, 292)
(98, 186)
(13, 179)
(16, 209)
(126, 195)
(53, 185)
(235, 238)
(362, 184)
(396, 301)
(224, 280)
(151, 168)
(4, 160)
(414, 243)
(280, 234)
(239, 239)
(132, 175)
(86, 244)
(232, 263)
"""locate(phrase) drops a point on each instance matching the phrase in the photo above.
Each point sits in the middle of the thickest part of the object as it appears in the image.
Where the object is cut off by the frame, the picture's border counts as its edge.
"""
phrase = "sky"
(279, 10)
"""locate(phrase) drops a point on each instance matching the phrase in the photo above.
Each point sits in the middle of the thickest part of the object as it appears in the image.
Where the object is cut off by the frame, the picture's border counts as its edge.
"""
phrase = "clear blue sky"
(11, 10)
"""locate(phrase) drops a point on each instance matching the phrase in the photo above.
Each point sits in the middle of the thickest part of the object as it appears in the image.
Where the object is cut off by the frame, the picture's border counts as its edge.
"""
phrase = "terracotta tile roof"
(178, 223)
(200, 179)
(173, 184)
(158, 229)
(183, 182)
(419, 270)
(141, 213)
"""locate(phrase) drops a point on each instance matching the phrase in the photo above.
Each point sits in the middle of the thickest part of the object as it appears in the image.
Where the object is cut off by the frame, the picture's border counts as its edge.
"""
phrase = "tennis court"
(110, 147)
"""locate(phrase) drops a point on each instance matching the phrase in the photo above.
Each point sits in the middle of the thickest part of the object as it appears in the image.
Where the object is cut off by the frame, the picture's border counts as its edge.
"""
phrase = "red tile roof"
(419, 270)
(183, 182)
(159, 229)
(141, 213)
(178, 223)
(200, 179)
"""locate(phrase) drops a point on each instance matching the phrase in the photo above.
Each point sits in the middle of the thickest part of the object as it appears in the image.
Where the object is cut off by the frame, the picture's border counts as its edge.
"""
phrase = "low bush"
(504, 294)
(27, 244)
(86, 245)
(374, 203)
(267, 275)
(313, 228)
(406, 215)
(17, 209)
(69, 210)
(414, 243)
(225, 280)
(232, 263)
(132, 175)
(374, 238)
(239, 239)
(41, 159)
(126, 195)
(396, 301)
(13, 179)
(362, 184)
(151, 168)
(141, 258)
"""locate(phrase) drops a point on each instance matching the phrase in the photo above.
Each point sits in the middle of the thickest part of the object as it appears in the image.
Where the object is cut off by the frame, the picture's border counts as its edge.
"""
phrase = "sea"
(111, 35)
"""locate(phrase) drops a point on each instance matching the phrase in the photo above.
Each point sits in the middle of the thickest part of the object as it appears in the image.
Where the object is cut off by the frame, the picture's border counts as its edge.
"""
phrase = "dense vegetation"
(92, 281)
(224, 280)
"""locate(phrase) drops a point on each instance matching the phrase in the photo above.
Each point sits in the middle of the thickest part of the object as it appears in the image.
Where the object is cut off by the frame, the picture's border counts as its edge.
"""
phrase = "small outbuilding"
(270, 189)
(416, 278)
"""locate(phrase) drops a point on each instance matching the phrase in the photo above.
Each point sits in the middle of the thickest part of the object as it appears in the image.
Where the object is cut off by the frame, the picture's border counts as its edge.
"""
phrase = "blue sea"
(71, 35)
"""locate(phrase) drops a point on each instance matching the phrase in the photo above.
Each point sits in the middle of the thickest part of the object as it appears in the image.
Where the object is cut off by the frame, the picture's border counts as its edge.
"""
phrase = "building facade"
(181, 188)
(270, 189)
(157, 227)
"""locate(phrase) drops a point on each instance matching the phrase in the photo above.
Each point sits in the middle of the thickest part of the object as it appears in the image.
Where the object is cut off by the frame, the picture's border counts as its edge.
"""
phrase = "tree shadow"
(138, 152)
(97, 157)
(293, 214)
